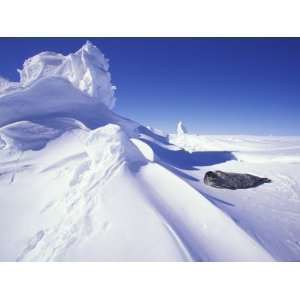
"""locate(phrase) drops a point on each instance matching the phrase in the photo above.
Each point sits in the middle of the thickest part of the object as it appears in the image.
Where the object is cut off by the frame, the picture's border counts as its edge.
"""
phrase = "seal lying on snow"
(233, 181)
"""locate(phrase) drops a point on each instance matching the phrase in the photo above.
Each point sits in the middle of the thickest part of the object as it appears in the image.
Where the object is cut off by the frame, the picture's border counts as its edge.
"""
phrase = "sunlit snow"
(79, 182)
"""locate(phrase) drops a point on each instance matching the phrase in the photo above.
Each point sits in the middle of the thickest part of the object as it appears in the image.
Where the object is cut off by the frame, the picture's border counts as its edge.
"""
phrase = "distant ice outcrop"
(181, 129)
(87, 70)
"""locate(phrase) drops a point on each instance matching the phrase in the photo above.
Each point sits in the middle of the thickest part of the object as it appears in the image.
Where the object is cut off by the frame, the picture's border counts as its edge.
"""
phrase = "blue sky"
(214, 85)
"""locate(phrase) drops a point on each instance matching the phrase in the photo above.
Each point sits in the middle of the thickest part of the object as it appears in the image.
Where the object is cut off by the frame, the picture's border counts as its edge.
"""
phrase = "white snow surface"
(80, 183)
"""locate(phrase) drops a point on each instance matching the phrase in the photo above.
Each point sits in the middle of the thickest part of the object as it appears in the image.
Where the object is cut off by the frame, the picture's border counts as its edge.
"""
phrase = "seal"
(233, 181)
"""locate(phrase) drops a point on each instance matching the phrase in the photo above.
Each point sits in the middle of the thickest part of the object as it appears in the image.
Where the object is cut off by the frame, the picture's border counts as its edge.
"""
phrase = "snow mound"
(86, 69)
(110, 143)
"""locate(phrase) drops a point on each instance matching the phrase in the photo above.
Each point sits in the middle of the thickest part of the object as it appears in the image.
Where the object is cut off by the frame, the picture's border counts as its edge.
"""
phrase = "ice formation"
(87, 70)
(181, 129)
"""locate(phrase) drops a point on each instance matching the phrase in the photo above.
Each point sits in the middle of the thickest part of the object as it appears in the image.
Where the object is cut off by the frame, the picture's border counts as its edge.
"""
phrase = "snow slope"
(80, 183)
(269, 213)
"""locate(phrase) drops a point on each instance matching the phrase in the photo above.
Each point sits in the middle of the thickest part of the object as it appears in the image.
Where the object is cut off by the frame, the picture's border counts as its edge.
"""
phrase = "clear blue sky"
(214, 85)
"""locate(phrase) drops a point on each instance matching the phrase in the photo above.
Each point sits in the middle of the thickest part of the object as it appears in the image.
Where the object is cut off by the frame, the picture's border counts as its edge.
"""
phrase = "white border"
(151, 280)
(150, 18)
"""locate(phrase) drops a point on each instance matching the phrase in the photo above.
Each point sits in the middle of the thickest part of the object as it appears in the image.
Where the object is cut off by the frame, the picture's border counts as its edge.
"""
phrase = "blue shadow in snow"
(215, 200)
(189, 161)
(179, 173)
(157, 137)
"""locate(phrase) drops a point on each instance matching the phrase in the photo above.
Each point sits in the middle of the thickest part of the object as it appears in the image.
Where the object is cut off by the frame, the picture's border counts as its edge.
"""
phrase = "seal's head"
(211, 178)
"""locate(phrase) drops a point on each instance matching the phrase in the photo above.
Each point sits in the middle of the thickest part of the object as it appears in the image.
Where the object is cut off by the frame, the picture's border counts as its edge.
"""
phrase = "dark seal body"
(233, 181)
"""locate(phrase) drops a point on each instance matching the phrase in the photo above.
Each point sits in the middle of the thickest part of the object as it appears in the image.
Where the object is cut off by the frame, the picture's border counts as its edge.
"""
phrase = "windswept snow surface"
(80, 183)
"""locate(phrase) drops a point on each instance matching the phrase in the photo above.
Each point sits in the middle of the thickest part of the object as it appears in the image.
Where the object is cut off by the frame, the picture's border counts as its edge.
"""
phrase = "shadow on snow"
(189, 161)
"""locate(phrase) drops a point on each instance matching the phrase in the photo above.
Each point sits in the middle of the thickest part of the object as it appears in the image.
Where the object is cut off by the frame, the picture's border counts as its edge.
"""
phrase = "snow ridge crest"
(87, 70)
